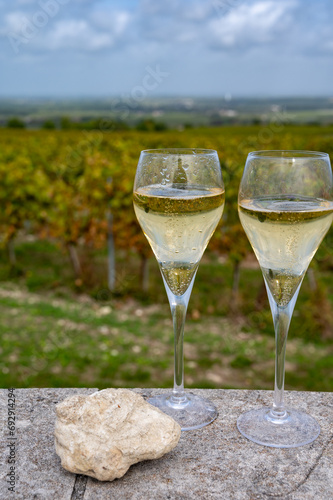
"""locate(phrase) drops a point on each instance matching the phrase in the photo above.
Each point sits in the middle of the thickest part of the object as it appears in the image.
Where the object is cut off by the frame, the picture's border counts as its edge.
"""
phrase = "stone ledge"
(213, 462)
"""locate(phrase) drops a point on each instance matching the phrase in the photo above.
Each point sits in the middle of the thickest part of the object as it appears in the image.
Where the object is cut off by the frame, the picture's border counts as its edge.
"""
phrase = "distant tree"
(95, 124)
(103, 124)
(66, 123)
(148, 125)
(160, 126)
(15, 123)
(49, 125)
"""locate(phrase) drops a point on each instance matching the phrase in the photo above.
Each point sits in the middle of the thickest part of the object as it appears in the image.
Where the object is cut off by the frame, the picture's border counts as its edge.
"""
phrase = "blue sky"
(188, 47)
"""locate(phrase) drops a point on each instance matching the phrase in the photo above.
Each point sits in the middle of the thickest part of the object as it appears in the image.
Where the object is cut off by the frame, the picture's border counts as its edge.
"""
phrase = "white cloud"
(37, 30)
(100, 31)
(248, 25)
(13, 22)
(114, 21)
(85, 25)
(198, 12)
(76, 34)
(205, 45)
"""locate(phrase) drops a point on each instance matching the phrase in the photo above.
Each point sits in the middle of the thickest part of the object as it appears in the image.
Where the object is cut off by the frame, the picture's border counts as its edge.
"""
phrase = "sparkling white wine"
(178, 221)
(285, 232)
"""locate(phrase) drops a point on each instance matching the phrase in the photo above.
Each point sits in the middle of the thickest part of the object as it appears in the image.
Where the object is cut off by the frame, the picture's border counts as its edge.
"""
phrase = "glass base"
(293, 428)
(192, 413)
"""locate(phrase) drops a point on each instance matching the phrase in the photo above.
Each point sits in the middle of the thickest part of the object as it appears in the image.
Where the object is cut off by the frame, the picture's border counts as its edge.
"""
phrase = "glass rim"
(287, 154)
(178, 151)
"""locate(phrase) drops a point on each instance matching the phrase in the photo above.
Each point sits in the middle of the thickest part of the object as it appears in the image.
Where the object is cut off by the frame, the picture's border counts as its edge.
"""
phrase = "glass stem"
(281, 318)
(178, 311)
(281, 325)
(178, 306)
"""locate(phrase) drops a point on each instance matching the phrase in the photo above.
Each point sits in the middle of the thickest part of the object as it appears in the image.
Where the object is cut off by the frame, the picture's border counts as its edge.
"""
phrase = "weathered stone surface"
(39, 475)
(215, 462)
(103, 434)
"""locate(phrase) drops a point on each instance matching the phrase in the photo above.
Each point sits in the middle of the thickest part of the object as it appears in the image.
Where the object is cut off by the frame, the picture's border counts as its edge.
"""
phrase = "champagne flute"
(178, 200)
(285, 207)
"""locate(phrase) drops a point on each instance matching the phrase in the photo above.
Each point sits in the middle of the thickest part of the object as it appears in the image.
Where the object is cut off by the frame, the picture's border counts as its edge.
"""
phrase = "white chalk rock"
(103, 434)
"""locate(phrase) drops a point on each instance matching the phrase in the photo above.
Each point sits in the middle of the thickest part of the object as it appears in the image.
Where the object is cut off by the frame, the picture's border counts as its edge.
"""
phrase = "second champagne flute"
(178, 200)
(286, 208)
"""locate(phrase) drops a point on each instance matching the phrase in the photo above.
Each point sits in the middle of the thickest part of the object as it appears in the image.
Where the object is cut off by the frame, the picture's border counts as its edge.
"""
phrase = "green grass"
(53, 337)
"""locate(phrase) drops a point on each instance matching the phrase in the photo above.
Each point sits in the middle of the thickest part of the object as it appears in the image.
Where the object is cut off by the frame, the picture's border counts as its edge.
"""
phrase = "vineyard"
(76, 187)
(73, 190)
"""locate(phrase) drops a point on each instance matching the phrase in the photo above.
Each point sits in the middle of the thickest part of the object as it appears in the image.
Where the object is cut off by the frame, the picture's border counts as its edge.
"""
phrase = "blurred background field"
(81, 298)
